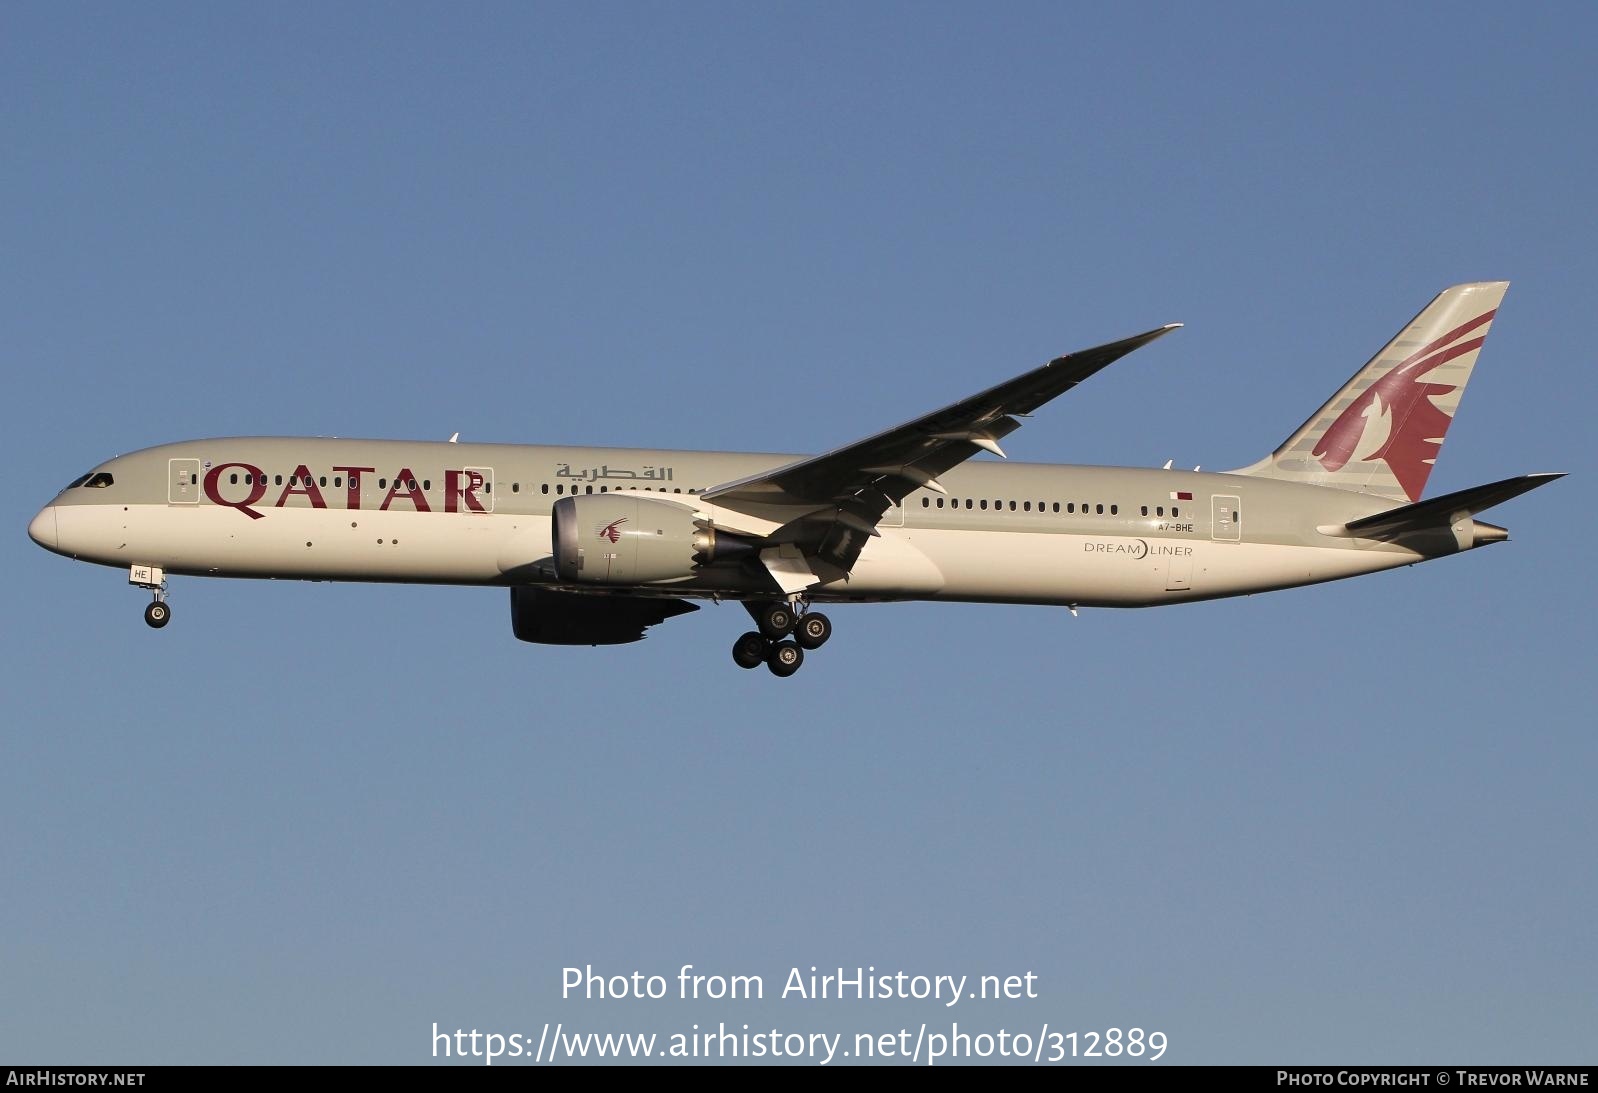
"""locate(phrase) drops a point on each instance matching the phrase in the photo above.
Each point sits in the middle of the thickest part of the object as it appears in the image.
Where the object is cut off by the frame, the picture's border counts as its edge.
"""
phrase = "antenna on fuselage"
(454, 437)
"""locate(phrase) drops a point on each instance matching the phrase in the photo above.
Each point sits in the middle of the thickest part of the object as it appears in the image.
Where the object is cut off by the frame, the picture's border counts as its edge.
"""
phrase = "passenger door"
(1226, 518)
(183, 482)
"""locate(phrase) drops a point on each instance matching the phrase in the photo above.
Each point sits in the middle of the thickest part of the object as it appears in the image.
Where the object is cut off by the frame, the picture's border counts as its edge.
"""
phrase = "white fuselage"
(323, 509)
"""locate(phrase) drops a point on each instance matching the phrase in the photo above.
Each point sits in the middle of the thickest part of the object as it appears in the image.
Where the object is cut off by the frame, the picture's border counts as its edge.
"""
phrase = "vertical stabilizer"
(1381, 433)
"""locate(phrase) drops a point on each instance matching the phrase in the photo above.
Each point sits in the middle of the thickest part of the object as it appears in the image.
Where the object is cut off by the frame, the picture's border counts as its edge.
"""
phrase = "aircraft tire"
(157, 615)
(785, 659)
(751, 650)
(776, 620)
(813, 630)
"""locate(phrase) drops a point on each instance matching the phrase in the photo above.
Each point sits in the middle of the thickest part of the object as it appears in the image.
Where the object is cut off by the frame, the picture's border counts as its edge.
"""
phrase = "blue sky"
(1342, 824)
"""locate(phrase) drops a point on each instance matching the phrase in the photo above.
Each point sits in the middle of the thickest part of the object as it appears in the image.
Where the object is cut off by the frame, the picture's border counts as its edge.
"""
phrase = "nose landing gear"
(157, 613)
(782, 639)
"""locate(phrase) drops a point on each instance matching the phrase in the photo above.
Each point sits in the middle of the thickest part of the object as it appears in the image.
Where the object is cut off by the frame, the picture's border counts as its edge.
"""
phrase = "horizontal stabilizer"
(1439, 511)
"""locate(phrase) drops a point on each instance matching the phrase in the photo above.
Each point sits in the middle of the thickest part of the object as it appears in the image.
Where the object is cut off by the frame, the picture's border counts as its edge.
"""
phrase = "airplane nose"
(42, 529)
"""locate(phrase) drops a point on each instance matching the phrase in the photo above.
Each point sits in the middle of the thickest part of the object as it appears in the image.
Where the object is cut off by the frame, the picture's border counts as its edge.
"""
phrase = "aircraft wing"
(847, 490)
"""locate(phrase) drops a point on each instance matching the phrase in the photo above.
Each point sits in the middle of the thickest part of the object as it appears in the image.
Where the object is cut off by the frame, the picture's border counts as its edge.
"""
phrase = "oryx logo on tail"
(1381, 432)
(1409, 427)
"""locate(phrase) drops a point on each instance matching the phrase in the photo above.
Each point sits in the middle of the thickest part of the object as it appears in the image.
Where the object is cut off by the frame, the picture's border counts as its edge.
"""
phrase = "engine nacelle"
(625, 539)
(551, 617)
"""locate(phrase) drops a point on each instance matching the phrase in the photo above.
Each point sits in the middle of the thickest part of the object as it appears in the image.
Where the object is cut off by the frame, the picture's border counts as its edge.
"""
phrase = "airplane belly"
(525, 548)
(891, 566)
(1020, 567)
(1124, 571)
(312, 544)
(1236, 569)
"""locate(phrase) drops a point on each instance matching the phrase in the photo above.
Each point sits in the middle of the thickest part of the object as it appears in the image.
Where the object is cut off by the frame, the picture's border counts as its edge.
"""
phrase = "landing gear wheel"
(813, 630)
(785, 658)
(157, 615)
(751, 650)
(776, 620)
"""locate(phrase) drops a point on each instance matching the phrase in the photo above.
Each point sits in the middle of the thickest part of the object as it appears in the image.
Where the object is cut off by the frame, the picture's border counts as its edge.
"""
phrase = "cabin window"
(1159, 510)
(544, 488)
(940, 502)
(1099, 509)
(926, 502)
(1012, 506)
(984, 504)
(1174, 511)
(427, 483)
(1026, 507)
(1071, 507)
(1145, 511)
(278, 480)
(1056, 506)
(1115, 510)
(588, 489)
(382, 483)
(338, 480)
(516, 487)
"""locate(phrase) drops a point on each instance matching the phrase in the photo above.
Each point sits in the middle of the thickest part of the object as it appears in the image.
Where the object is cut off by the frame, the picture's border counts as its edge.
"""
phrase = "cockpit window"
(78, 481)
(98, 481)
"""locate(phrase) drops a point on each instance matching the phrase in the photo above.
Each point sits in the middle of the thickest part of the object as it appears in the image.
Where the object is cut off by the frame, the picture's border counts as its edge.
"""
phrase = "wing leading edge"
(846, 491)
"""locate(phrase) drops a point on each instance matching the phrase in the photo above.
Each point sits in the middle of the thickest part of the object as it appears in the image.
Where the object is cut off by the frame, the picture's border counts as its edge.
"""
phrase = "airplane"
(596, 545)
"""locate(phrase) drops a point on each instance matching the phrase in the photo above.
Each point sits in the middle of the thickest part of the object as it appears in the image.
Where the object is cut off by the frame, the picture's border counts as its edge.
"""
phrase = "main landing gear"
(782, 639)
